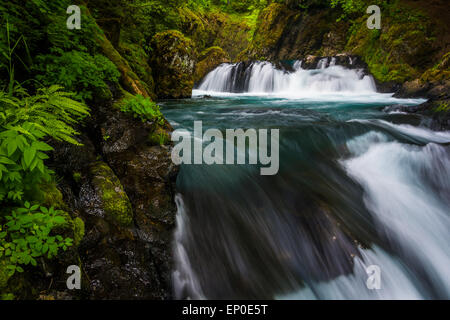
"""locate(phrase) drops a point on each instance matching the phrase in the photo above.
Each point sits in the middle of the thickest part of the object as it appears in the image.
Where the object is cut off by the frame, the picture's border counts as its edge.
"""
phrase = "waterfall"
(264, 78)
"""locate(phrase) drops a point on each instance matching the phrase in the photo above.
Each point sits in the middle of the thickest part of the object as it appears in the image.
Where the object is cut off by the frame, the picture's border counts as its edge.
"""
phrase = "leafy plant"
(162, 138)
(143, 108)
(350, 7)
(9, 55)
(51, 111)
(79, 72)
(26, 121)
(27, 236)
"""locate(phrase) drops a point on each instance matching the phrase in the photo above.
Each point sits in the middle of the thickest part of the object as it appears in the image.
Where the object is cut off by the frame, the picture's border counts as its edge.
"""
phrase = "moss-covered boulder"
(173, 62)
(208, 60)
(109, 200)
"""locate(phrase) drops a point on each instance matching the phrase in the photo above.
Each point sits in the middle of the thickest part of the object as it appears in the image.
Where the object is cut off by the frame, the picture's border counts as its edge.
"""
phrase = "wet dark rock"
(118, 265)
(344, 60)
(435, 114)
(122, 187)
(69, 158)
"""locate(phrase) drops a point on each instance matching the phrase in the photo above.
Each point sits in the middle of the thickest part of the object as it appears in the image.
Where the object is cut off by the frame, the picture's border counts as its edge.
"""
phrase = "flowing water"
(356, 187)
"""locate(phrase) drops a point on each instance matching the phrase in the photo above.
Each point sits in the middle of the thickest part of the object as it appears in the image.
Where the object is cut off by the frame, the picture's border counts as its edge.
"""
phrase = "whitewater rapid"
(357, 187)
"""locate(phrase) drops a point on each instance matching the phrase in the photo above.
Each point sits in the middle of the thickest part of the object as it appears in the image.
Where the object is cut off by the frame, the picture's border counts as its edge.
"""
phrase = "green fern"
(143, 108)
(51, 111)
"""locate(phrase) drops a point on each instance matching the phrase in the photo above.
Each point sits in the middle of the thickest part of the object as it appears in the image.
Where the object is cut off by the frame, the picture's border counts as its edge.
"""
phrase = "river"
(357, 186)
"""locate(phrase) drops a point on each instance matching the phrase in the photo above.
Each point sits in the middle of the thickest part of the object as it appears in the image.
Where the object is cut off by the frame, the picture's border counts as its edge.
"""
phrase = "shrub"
(26, 121)
(27, 236)
(79, 72)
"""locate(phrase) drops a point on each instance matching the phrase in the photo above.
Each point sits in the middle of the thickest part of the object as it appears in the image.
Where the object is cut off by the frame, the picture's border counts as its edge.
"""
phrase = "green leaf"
(39, 145)
(12, 147)
(28, 155)
(6, 160)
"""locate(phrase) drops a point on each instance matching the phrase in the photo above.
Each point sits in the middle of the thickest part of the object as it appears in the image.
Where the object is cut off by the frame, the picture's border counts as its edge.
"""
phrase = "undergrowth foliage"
(26, 122)
(143, 108)
(27, 235)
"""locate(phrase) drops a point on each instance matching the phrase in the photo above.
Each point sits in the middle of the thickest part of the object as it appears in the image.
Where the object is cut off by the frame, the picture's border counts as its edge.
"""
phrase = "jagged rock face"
(286, 34)
(126, 202)
(173, 63)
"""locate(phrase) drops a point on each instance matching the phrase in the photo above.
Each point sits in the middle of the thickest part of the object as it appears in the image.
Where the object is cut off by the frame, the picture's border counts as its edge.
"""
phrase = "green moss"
(173, 60)
(192, 26)
(4, 274)
(442, 106)
(138, 61)
(115, 202)
(400, 51)
(78, 231)
(51, 196)
(6, 296)
(77, 177)
(272, 22)
(221, 26)
(159, 137)
(208, 60)
(129, 80)
(440, 71)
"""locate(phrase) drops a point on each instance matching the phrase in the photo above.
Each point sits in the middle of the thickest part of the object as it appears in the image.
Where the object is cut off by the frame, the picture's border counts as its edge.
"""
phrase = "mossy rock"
(115, 202)
(192, 25)
(283, 33)
(231, 33)
(4, 275)
(173, 61)
(401, 51)
(78, 231)
(51, 196)
(208, 60)
(272, 22)
(439, 72)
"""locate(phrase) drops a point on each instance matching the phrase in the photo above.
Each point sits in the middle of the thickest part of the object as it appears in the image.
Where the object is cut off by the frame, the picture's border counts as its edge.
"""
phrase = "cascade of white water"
(264, 77)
